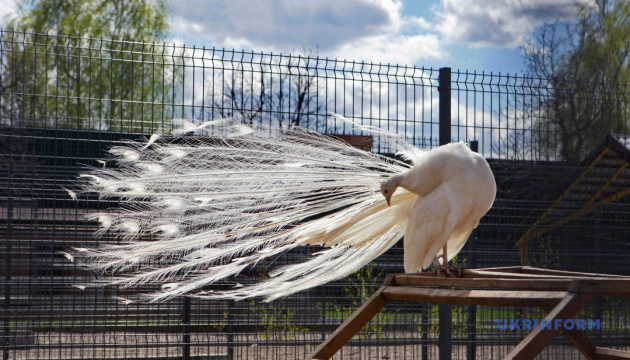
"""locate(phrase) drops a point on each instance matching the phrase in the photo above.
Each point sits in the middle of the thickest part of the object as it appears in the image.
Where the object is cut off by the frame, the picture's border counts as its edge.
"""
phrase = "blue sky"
(481, 35)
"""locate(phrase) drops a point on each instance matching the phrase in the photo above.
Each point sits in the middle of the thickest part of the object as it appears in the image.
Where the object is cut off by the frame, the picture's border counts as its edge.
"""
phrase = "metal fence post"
(324, 297)
(8, 270)
(445, 317)
(445, 105)
(598, 299)
(474, 146)
(230, 330)
(426, 309)
(471, 344)
(186, 328)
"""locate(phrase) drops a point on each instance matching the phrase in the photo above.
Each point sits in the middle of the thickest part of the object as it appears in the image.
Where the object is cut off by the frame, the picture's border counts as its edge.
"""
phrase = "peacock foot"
(450, 271)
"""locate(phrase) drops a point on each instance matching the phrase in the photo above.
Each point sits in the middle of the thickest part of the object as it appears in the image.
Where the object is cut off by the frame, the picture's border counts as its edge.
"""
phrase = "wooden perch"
(561, 294)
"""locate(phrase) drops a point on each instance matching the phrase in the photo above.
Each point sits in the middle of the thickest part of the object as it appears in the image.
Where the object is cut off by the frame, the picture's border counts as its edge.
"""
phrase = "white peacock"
(225, 202)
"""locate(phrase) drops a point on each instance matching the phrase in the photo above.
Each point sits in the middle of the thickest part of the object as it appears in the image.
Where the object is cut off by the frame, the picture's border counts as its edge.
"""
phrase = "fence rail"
(562, 195)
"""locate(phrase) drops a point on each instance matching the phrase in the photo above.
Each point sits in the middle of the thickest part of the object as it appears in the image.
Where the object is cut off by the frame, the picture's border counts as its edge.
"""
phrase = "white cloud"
(284, 23)
(501, 23)
(369, 30)
(407, 40)
(7, 10)
(394, 49)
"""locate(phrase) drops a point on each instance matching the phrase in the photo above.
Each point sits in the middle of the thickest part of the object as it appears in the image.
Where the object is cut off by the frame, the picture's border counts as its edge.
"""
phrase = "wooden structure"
(604, 181)
(561, 294)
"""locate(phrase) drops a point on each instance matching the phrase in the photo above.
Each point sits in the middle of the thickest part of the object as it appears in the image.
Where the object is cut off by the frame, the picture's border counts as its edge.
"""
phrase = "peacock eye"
(385, 191)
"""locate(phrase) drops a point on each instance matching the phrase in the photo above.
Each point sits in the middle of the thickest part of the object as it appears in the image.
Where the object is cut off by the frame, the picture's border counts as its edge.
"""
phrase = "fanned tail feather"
(221, 203)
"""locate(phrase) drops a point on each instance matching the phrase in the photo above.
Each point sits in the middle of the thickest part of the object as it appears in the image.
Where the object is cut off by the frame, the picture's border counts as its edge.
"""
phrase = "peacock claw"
(458, 270)
(450, 271)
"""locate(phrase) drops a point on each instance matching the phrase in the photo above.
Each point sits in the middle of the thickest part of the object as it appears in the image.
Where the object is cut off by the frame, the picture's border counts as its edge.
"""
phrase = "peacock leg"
(436, 262)
(440, 267)
(447, 269)
(445, 261)
(444, 266)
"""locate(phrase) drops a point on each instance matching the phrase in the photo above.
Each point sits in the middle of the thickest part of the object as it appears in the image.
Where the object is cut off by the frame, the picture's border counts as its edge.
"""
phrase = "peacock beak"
(389, 200)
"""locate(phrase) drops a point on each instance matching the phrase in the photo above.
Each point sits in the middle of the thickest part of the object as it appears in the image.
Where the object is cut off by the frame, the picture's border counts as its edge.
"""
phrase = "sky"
(474, 35)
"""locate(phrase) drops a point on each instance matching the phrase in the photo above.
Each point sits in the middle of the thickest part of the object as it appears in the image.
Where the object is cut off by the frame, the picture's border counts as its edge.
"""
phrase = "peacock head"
(387, 189)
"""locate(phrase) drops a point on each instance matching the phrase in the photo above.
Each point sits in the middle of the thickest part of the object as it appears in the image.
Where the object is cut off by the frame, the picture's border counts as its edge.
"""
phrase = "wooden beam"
(579, 339)
(500, 275)
(474, 297)
(573, 274)
(492, 283)
(538, 339)
(517, 269)
(610, 354)
(359, 141)
(603, 286)
(582, 343)
(350, 327)
(524, 240)
(469, 273)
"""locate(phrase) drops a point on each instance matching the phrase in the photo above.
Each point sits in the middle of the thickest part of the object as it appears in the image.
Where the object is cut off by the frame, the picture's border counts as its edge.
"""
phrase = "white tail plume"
(243, 194)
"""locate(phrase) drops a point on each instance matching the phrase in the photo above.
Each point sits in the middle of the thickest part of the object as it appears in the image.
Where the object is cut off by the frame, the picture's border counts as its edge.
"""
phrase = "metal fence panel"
(64, 101)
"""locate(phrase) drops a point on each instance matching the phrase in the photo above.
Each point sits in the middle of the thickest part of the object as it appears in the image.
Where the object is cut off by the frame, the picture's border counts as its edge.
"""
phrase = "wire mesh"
(65, 100)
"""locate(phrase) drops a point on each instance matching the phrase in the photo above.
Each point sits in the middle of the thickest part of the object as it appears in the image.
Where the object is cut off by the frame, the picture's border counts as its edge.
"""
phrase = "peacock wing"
(431, 222)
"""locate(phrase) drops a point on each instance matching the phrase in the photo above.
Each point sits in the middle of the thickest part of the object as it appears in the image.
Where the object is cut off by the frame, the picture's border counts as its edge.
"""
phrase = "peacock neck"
(420, 180)
(397, 180)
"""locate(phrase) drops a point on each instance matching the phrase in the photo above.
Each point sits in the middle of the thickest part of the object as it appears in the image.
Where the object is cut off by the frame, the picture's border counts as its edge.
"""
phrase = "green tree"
(584, 70)
(87, 64)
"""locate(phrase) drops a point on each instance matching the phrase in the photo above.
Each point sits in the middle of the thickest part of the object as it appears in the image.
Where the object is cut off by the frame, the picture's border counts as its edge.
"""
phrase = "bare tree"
(287, 90)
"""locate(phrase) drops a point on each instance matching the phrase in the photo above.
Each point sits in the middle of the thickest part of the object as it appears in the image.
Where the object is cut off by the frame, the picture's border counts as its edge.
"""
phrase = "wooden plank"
(493, 283)
(466, 273)
(610, 354)
(389, 280)
(357, 140)
(573, 274)
(516, 269)
(537, 340)
(500, 275)
(608, 287)
(604, 286)
(474, 297)
(507, 275)
(350, 327)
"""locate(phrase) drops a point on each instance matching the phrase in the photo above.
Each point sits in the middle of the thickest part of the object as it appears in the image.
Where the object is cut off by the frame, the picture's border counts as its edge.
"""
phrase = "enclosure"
(559, 152)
